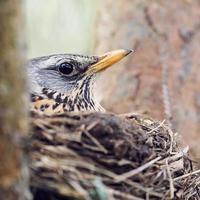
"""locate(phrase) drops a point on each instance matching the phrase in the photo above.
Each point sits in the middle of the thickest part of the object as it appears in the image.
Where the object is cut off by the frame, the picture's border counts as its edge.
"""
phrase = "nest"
(104, 156)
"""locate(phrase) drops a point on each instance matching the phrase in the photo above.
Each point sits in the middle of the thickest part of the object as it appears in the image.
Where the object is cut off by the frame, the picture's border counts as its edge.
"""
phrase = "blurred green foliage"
(60, 26)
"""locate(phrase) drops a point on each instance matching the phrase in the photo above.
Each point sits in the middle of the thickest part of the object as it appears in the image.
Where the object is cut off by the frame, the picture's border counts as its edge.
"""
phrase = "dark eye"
(66, 68)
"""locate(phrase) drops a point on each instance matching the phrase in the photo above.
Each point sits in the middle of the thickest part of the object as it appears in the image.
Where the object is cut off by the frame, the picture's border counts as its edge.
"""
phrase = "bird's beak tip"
(128, 51)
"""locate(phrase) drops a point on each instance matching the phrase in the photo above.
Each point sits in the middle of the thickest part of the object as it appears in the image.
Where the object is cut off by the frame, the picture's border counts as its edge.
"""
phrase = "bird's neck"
(87, 95)
(81, 99)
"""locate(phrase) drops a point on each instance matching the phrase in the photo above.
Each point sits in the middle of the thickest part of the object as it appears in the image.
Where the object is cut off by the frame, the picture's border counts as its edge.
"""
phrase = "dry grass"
(103, 156)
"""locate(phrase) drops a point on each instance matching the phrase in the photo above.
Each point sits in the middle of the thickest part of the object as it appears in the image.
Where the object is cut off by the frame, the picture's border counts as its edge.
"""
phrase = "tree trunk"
(13, 109)
(162, 77)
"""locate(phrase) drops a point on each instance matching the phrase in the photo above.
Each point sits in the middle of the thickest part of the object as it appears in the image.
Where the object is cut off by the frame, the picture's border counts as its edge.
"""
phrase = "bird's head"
(69, 74)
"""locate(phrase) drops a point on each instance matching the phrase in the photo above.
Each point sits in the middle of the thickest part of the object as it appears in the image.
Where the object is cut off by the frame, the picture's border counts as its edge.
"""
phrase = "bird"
(62, 83)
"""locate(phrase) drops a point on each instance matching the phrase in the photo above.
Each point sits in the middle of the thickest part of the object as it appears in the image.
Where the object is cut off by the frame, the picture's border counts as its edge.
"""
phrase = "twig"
(171, 134)
(186, 175)
(96, 142)
(131, 173)
(146, 190)
(80, 189)
(166, 95)
(179, 155)
(156, 128)
(171, 183)
(123, 195)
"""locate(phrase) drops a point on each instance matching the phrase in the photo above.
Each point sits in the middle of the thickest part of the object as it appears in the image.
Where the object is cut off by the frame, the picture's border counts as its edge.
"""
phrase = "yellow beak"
(107, 60)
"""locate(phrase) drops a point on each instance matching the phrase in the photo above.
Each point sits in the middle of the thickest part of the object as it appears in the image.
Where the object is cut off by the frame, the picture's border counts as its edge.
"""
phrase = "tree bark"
(166, 38)
(13, 109)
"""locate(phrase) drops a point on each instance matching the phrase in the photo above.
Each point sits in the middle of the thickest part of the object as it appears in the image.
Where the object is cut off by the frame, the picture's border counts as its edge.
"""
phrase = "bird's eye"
(66, 68)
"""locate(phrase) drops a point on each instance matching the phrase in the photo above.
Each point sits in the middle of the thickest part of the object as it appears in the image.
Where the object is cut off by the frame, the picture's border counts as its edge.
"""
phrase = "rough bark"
(13, 109)
(166, 38)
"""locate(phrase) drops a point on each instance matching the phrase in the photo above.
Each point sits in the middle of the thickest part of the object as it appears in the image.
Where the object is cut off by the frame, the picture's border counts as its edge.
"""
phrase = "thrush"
(67, 82)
